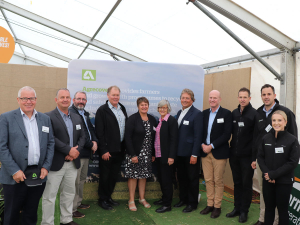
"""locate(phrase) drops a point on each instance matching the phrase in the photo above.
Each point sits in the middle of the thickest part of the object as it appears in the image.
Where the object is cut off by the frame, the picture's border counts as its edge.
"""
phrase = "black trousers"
(19, 197)
(188, 177)
(242, 174)
(276, 195)
(165, 176)
(109, 171)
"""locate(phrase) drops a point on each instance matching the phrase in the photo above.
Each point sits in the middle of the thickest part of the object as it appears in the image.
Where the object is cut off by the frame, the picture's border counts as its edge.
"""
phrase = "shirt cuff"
(212, 146)
(194, 156)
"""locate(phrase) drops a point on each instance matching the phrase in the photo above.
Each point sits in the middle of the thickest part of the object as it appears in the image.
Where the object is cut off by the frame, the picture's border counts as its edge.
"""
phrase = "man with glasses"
(79, 102)
(26, 152)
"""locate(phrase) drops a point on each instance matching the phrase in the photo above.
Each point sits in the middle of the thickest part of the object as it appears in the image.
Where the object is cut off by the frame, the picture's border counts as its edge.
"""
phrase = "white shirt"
(182, 114)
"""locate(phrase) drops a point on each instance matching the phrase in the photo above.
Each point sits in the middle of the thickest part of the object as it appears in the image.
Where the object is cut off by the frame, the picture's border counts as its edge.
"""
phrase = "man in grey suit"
(69, 138)
(26, 152)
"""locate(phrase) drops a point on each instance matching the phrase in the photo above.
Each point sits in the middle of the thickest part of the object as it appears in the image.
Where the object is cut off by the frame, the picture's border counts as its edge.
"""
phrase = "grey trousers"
(65, 180)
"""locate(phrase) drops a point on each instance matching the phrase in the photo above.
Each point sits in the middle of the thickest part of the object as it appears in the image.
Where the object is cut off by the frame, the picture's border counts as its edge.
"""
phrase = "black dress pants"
(188, 177)
(19, 197)
(109, 171)
(276, 195)
(242, 174)
(164, 174)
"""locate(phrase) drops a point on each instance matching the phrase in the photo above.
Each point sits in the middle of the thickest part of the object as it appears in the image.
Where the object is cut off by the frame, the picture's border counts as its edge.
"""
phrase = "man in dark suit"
(69, 142)
(26, 152)
(189, 143)
(217, 123)
(90, 147)
(110, 130)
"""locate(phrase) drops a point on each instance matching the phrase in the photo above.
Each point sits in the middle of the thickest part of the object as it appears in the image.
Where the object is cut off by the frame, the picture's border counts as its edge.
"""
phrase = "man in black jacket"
(110, 130)
(243, 124)
(264, 126)
(79, 102)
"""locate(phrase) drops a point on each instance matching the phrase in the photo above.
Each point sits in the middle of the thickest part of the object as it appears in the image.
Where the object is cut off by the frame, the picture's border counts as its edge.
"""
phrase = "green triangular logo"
(34, 176)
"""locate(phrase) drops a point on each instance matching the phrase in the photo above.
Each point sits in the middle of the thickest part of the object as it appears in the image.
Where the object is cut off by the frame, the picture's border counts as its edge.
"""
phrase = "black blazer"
(220, 133)
(108, 131)
(62, 141)
(168, 139)
(135, 133)
(190, 135)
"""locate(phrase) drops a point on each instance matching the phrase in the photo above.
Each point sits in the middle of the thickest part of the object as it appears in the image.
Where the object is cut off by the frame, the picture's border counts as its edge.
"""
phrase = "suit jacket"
(220, 133)
(14, 144)
(168, 139)
(135, 133)
(190, 135)
(62, 140)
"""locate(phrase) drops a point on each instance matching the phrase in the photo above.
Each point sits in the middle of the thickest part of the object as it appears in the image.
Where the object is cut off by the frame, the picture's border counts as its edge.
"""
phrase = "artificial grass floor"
(122, 215)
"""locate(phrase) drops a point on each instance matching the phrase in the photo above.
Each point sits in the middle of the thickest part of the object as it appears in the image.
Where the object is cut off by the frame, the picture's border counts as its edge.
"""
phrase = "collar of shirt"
(33, 115)
(111, 106)
(216, 110)
(270, 110)
(186, 110)
(81, 111)
(165, 118)
(62, 114)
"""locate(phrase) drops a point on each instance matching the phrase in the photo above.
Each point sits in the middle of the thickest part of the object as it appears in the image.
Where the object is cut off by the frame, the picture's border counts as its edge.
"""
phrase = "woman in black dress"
(278, 156)
(139, 138)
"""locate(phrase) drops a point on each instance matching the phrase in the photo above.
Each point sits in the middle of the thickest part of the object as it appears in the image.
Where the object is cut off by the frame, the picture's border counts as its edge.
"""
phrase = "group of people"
(42, 153)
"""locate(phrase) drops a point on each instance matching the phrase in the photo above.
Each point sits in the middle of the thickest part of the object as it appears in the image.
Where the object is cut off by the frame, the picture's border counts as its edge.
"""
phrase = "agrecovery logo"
(89, 75)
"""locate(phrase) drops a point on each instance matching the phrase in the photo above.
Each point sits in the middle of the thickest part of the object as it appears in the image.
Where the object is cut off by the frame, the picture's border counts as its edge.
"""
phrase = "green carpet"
(121, 214)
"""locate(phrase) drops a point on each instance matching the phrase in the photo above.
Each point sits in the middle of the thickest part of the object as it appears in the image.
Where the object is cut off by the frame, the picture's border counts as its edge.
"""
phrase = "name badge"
(241, 124)
(78, 127)
(279, 150)
(221, 120)
(268, 128)
(154, 128)
(45, 129)
(185, 122)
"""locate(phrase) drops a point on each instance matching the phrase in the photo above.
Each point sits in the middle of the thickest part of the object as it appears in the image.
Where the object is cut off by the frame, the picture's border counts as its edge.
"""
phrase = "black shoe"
(179, 204)
(105, 205)
(163, 209)
(159, 202)
(112, 202)
(243, 217)
(234, 213)
(188, 209)
(215, 213)
(207, 210)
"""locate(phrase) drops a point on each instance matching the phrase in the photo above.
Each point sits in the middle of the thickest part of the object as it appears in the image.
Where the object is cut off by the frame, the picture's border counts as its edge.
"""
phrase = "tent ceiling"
(157, 31)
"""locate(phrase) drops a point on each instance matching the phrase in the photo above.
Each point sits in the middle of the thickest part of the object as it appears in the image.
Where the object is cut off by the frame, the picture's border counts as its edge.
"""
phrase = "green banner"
(294, 206)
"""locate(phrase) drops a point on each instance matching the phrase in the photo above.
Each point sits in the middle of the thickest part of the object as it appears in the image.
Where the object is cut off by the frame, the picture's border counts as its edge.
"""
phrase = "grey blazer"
(14, 144)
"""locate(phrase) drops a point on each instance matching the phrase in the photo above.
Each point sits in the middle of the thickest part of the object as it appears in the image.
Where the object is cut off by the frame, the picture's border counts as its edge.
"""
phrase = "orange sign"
(7, 45)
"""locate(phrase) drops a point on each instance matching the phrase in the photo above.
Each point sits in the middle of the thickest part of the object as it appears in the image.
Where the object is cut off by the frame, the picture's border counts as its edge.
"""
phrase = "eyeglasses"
(81, 99)
(163, 108)
(25, 99)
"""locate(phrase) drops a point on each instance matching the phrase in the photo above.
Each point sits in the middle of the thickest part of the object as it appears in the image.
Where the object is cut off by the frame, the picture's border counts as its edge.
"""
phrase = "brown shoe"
(77, 215)
(83, 206)
(207, 210)
(259, 223)
(215, 213)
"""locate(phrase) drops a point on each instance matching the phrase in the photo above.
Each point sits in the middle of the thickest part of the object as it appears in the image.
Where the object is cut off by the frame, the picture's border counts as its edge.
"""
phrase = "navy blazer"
(14, 144)
(190, 135)
(220, 133)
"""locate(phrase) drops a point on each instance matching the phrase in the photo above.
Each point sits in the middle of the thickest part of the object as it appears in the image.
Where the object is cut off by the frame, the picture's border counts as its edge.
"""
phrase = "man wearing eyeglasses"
(79, 102)
(26, 153)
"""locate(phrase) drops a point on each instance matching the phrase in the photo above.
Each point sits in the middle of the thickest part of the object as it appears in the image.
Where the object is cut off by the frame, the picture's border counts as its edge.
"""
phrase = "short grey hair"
(81, 92)
(189, 92)
(164, 102)
(62, 89)
(111, 87)
(27, 88)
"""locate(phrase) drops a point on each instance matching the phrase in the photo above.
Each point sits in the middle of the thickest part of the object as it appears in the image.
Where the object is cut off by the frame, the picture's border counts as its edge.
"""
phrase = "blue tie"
(81, 112)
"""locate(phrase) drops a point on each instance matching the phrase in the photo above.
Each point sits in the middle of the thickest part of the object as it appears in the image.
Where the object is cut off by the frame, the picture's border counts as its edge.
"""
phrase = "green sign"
(294, 205)
(89, 75)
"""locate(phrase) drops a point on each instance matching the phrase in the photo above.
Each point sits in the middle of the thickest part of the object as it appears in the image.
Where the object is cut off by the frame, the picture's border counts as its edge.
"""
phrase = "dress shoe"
(215, 213)
(259, 223)
(159, 202)
(243, 217)
(77, 214)
(163, 209)
(189, 209)
(207, 210)
(105, 205)
(83, 206)
(112, 202)
(70, 223)
(179, 204)
(234, 213)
